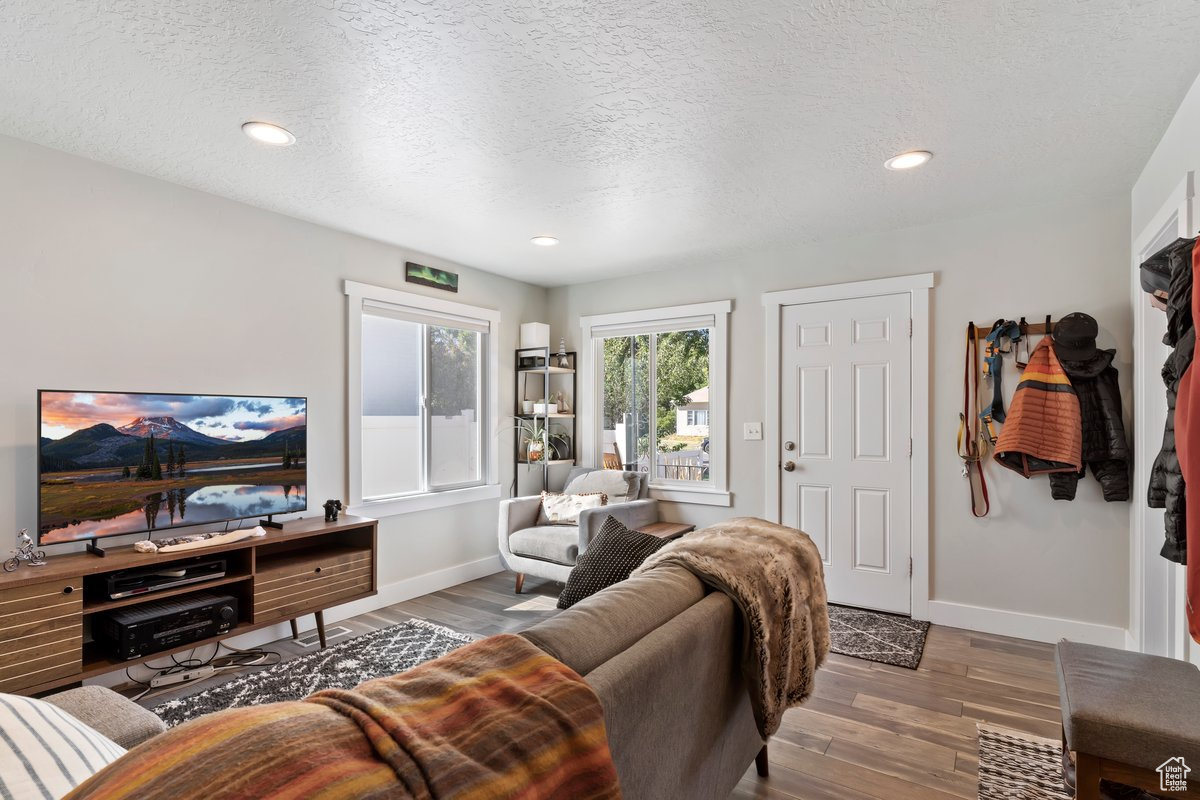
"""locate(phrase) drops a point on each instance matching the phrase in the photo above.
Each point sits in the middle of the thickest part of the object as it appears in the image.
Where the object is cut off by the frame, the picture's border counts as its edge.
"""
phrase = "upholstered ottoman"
(118, 718)
(1128, 715)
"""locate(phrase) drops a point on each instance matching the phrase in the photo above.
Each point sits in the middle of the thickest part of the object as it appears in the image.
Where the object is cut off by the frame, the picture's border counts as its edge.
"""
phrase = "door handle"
(788, 466)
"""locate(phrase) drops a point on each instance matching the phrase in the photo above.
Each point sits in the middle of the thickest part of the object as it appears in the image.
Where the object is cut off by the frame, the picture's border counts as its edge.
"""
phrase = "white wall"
(1177, 152)
(1032, 556)
(112, 280)
(1157, 599)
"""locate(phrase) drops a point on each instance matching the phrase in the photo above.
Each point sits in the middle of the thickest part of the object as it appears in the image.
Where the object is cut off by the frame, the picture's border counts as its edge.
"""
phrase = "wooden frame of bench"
(1090, 770)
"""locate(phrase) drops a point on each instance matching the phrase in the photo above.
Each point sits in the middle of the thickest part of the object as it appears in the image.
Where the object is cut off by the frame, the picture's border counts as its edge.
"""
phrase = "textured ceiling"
(643, 134)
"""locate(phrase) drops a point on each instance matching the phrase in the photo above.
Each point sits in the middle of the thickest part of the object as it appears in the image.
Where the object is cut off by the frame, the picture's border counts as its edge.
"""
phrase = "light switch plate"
(752, 431)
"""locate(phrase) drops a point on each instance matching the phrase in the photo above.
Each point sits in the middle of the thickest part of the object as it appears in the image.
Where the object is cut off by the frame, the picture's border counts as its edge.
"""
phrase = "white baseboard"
(396, 592)
(416, 586)
(1024, 626)
(1131, 642)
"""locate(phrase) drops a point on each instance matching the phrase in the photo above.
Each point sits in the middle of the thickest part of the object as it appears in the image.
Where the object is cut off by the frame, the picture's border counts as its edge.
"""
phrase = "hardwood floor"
(870, 732)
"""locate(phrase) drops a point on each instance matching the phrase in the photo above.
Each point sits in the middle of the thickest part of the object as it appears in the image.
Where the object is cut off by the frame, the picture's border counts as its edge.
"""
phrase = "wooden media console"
(46, 613)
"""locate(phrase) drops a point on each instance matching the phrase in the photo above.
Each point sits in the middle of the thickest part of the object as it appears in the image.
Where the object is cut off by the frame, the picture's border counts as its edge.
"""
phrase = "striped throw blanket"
(495, 719)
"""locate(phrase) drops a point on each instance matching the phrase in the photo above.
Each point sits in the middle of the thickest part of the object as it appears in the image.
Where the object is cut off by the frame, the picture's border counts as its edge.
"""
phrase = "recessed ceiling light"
(913, 158)
(544, 241)
(267, 133)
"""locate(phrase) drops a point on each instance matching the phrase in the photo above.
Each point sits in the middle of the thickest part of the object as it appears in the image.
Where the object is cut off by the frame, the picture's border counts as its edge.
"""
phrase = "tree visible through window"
(421, 407)
(648, 379)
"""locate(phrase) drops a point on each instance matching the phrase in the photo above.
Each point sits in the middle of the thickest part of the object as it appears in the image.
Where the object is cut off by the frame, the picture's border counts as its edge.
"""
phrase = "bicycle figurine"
(25, 552)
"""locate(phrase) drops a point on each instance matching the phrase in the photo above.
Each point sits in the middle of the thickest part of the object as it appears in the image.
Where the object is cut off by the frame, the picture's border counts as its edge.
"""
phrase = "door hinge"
(910, 448)
(910, 327)
(910, 568)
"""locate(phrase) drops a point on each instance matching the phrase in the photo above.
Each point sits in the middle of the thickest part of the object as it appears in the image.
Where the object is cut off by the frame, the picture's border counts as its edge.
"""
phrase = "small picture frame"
(430, 276)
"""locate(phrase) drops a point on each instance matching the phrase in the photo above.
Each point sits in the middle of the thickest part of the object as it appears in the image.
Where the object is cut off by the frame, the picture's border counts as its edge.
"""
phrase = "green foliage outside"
(453, 371)
(682, 367)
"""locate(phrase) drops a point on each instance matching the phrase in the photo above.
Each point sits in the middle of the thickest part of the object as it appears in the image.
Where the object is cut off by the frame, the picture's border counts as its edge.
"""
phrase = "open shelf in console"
(238, 567)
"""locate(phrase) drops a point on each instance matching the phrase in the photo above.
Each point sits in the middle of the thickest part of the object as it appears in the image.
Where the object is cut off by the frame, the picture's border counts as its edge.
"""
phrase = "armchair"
(550, 551)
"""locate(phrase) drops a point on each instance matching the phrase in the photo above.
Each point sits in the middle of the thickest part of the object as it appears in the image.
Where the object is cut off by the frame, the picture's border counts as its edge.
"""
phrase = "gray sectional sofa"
(660, 650)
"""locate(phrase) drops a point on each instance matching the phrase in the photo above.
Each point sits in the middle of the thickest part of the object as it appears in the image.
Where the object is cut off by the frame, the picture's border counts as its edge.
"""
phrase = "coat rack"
(1031, 328)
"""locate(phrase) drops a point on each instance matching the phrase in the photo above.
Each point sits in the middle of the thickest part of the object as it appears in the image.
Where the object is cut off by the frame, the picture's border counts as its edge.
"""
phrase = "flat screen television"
(115, 463)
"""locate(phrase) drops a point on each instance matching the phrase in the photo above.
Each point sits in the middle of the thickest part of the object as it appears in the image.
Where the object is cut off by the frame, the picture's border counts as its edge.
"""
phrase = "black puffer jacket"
(1105, 448)
(1166, 489)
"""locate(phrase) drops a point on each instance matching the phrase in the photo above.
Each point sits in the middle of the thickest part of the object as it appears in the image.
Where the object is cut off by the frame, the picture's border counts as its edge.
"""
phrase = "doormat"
(875, 636)
(340, 666)
(1014, 765)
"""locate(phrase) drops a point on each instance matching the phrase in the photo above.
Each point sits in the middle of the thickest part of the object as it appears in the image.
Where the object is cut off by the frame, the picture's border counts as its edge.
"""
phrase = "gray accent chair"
(550, 551)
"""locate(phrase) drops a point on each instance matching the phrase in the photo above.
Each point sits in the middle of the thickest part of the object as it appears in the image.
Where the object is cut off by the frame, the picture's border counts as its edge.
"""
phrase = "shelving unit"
(539, 377)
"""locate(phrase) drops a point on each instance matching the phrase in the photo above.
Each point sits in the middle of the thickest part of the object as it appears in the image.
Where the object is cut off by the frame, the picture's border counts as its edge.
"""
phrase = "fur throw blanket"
(775, 577)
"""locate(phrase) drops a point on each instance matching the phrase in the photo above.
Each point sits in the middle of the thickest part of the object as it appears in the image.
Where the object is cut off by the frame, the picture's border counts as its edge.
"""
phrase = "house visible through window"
(422, 375)
(648, 379)
(657, 378)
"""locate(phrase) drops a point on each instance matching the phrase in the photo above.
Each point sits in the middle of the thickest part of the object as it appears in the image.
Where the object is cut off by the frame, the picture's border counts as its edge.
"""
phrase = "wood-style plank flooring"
(870, 732)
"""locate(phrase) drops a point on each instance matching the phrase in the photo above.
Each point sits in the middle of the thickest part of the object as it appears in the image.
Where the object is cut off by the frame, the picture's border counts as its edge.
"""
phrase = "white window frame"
(489, 457)
(716, 493)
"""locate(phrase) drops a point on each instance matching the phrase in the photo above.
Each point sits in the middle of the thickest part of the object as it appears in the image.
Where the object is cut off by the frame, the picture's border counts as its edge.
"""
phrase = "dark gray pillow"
(610, 557)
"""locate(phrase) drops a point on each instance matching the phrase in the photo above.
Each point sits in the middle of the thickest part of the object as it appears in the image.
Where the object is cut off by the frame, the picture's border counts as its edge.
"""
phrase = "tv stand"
(270, 522)
(94, 549)
(47, 612)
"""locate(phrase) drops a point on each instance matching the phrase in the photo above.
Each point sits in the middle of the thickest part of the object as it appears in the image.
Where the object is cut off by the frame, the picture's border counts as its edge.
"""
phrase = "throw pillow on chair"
(564, 509)
(610, 558)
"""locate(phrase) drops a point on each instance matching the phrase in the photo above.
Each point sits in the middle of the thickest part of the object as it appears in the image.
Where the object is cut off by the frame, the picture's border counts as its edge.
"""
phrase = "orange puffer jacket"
(1043, 432)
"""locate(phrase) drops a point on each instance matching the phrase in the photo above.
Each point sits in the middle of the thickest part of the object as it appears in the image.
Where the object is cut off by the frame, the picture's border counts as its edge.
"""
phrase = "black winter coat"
(1166, 489)
(1105, 448)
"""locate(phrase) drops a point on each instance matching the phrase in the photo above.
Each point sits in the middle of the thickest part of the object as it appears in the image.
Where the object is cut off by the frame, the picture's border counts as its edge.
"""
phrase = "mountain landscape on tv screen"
(107, 470)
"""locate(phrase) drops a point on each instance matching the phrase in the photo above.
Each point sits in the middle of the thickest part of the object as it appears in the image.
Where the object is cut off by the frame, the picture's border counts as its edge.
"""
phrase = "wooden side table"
(667, 530)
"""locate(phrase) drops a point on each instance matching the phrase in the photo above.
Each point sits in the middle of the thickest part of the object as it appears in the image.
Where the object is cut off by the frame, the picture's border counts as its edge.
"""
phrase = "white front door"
(845, 474)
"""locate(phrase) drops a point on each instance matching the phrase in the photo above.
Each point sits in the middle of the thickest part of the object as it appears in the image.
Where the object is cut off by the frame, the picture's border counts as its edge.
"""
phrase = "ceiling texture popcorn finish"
(642, 133)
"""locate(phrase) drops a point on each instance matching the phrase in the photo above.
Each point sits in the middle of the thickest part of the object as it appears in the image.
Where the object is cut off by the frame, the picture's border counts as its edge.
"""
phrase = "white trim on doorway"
(1156, 587)
(918, 288)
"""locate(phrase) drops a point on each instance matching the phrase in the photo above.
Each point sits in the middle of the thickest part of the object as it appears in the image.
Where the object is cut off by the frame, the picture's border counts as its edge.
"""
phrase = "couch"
(662, 652)
(550, 551)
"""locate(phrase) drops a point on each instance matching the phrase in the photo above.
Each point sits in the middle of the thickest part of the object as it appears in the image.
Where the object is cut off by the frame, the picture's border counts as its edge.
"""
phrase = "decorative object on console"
(430, 276)
(332, 507)
(25, 552)
(197, 541)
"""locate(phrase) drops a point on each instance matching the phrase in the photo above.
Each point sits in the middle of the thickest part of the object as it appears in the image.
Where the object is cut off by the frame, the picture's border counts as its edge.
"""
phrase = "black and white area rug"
(341, 666)
(1017, 766)
(875, 636)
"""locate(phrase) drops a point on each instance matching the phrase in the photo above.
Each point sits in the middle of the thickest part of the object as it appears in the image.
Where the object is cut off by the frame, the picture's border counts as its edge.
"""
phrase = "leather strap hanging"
(972, 445)
(1023, 333)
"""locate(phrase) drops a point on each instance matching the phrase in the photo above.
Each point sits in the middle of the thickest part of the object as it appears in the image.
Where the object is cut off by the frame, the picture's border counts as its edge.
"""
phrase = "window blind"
(653, 326)
(423, 317)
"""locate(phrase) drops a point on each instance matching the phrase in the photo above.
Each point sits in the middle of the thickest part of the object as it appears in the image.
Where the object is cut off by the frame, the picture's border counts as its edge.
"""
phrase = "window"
(658, 382)
(419, 401)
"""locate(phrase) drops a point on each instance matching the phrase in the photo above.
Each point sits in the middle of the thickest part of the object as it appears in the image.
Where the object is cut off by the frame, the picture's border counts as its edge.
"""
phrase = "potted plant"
(536, 439)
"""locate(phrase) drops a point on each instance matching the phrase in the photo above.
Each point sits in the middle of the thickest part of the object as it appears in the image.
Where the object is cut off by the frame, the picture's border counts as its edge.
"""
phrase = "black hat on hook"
(1075, 336)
